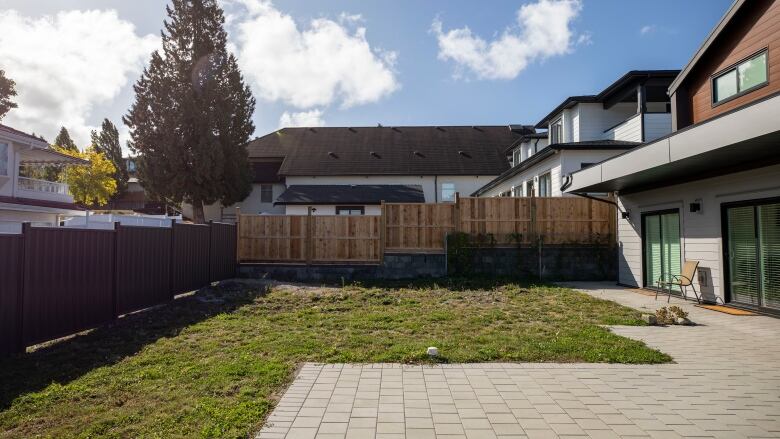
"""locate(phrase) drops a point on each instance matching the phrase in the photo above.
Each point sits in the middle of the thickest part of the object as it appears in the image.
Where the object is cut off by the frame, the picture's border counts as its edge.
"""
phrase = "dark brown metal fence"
(56, 281)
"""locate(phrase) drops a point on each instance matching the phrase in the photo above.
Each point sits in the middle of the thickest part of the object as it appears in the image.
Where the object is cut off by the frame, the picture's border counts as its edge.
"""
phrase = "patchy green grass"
(210, 365)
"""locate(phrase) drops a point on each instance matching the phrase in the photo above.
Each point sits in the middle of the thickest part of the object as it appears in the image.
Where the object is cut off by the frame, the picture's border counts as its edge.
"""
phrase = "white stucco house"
(584, 130)
(25, 199)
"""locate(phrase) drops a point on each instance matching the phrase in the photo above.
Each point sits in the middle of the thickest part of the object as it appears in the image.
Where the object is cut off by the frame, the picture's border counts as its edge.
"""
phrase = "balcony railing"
(49, 187)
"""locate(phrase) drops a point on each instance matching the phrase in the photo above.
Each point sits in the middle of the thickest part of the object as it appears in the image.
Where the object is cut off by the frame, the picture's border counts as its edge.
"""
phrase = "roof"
(351, 194)
(266, 172)
(628, 80)
(39, 203)
(714, 33)
(525, 138)
(422, 150)
(22, 136)
(549, 151)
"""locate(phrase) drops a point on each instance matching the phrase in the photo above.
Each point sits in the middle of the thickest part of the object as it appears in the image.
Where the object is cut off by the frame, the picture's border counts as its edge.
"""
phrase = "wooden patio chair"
(682, 280)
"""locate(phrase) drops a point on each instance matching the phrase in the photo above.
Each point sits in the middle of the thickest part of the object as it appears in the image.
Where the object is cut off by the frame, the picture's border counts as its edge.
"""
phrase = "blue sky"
(392, 70)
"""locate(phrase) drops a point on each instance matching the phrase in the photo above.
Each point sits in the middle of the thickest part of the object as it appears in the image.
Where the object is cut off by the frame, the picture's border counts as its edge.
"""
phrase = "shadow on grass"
(454, 283)
(65, 360)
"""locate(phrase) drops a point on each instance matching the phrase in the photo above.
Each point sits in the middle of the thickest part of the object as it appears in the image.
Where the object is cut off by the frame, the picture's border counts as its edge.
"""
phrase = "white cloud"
(66, 64)
(323, 63)
(311, 118)
(646, 29)
(544, 29)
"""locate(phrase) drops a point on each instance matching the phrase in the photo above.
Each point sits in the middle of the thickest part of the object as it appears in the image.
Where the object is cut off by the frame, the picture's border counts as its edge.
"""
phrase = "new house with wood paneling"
(584, 130)
(709, 191)
(351, 170)
(24, 199)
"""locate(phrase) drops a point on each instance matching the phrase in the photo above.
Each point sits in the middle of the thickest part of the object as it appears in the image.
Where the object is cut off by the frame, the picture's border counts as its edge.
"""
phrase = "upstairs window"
(742, 78)
(448, 192)
(266, 193)
(545, 185)
(4, 159)
(529, 188)
(556, 131)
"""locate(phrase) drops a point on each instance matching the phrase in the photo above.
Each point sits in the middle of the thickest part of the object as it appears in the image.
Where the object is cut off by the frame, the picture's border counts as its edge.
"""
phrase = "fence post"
(115, 277)
(171, 259)
(211, 259)
(238, 235)
(308, 240)
(458, 225)
(382, 231)
(19, 346)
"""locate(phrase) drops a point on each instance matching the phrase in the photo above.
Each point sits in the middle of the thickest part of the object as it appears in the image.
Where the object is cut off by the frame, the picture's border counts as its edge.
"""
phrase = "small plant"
(670, 315)
(516, 238)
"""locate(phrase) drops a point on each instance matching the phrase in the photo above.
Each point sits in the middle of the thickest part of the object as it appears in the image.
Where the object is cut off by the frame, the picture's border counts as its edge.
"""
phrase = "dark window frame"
(642, 217)
(734, 67)
(361, 209)
(554, 129)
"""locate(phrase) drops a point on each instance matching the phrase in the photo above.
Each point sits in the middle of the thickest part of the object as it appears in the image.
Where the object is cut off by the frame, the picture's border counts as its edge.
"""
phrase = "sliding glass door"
(753, 254)
(661, 246)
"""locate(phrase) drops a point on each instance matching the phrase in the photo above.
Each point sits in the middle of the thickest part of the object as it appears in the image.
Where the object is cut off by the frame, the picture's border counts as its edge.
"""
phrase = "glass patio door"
(662, 250)
(753, 254)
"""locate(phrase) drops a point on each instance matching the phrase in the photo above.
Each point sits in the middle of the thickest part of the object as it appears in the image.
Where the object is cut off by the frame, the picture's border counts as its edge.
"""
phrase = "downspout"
(435, 188)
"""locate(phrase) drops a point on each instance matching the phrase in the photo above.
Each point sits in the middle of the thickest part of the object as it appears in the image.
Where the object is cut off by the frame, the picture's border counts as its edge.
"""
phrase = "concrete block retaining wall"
(557, 263)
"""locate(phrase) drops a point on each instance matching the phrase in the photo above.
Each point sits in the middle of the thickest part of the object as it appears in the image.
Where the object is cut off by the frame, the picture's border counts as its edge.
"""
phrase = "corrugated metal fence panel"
(190, 264)
(143, 267)
(68, 281)
(223, 251)
(10, 282)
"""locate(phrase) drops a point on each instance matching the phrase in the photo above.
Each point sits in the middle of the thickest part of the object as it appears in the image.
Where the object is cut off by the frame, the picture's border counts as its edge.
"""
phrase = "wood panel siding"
(755, 27)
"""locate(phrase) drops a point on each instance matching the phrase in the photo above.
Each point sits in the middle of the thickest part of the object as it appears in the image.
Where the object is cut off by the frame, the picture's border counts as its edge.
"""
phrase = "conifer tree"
(107, 143)
(191, 118)
(63, 140)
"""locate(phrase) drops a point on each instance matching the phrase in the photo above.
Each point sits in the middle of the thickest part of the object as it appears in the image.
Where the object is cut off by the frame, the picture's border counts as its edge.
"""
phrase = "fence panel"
(223, 251)
(10, 282)
(418, 227)
(337, 238)
(143, 258)
(190, 259)
(506, 219)
(573, 221)
(272, 238)
(68, 281)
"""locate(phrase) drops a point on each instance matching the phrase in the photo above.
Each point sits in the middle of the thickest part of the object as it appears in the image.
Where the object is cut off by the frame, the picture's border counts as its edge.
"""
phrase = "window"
(350, 210)
(3, 159)
(529, 188)
(266, 193)
(448, 192)
(545, 185)
(740, 79)
(517, 156)
(556, 131)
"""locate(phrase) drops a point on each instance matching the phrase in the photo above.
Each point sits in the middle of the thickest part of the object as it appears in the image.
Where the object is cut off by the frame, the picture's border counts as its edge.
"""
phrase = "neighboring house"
(710, 191)
(584, 130)
(25, 199)
(349, 171)
(135, 198)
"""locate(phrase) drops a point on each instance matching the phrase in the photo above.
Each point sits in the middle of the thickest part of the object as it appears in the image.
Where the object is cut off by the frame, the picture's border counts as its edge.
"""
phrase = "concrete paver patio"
(725, 384)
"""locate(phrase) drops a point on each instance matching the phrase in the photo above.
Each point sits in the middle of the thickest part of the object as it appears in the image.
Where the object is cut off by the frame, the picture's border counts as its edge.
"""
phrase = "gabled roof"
(714, 33)
(351, 194)
(549, 151)
(630, 79)
(526, 138)
(22, 136)
(417, 150)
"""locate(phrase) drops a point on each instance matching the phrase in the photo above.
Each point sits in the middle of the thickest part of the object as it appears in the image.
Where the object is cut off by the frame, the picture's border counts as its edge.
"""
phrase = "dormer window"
(556, 131)
(740, 79)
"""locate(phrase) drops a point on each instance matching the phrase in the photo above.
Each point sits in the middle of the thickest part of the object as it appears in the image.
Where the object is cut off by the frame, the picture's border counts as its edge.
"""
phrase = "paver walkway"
(725, 384)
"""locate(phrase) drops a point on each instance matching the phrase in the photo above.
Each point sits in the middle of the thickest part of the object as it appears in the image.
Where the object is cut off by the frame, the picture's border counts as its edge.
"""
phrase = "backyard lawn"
(212, 364)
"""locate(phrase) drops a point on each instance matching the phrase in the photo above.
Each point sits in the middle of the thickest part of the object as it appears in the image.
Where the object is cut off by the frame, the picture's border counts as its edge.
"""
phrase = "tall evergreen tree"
(191, 118)
(107, 143)
(63, 140)
(7, 92)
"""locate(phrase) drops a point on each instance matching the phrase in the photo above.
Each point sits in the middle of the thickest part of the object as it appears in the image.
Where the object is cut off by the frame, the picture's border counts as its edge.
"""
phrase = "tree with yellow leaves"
(91, 184)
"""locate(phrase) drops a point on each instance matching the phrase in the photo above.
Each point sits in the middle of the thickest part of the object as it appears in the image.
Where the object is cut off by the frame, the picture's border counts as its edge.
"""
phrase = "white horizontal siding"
(594, 119)
(701, 231)
(551, 164)
(630, 130)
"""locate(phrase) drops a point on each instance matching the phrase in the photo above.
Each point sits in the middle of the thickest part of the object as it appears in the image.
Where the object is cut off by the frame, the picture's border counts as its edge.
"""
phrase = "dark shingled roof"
(351, 194)
(266, 172)
(451, 150)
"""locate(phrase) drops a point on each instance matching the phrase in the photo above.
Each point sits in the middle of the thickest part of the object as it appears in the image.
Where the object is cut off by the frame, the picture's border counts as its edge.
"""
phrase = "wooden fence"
(423, 228)
(59, 281)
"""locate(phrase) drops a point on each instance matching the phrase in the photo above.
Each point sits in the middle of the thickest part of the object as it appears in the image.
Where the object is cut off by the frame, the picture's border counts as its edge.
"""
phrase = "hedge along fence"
(58, 281)
(422, 228)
